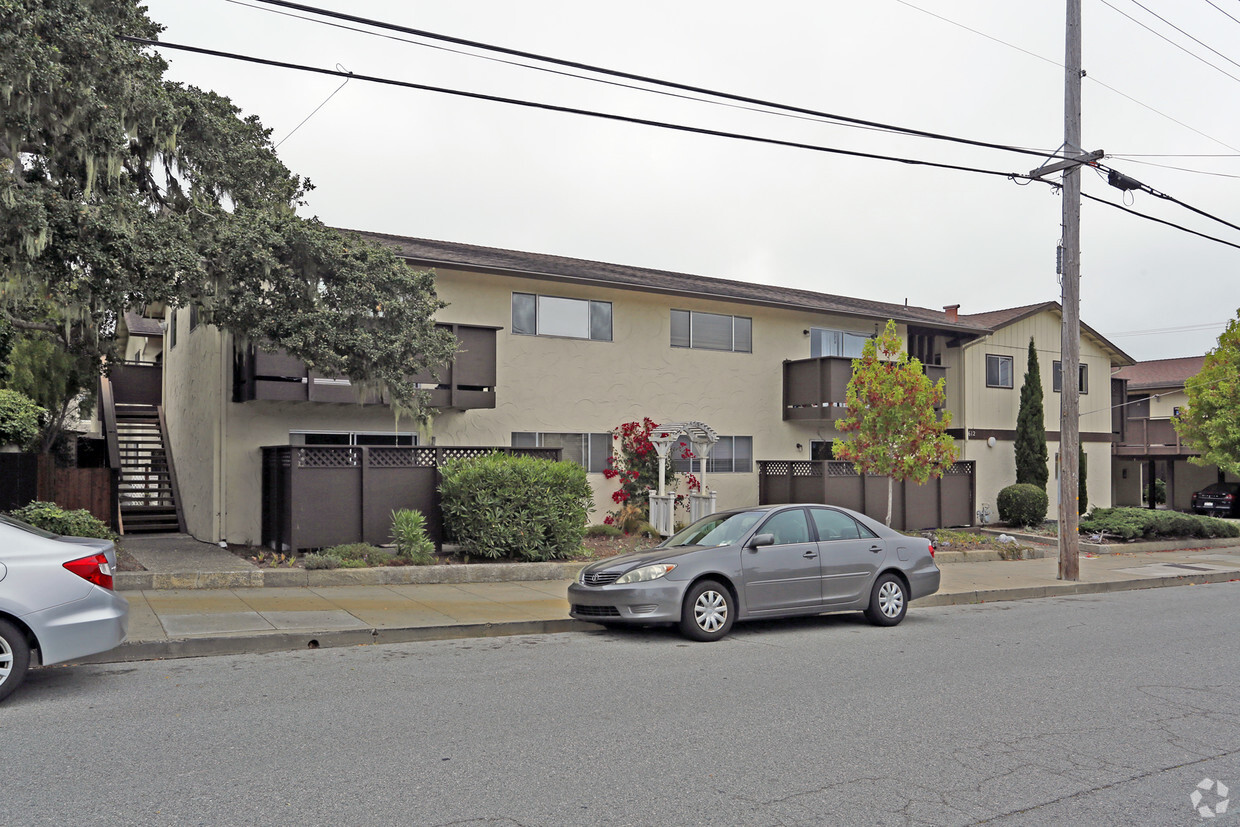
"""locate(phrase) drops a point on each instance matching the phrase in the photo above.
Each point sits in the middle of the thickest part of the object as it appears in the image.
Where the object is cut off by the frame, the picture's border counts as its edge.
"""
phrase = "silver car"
(56, 599)
(766, 561)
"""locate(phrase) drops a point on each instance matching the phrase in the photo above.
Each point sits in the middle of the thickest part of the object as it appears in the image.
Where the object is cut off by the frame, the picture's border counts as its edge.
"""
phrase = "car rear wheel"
(708, 611)
(14, 658)
(888, 601)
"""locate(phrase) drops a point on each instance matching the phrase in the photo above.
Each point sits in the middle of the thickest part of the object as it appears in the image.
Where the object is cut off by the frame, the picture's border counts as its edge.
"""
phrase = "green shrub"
(1160, 492)
(409, 533)
(1022, 505)
(53, 518)
(19, 419)
(515, 506)
(319, 560)
(1133, 523)
(603, 530)
(357, 555)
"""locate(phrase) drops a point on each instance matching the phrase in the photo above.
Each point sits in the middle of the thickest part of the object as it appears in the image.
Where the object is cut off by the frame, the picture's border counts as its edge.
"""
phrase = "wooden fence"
(943, 502)
(28, 477)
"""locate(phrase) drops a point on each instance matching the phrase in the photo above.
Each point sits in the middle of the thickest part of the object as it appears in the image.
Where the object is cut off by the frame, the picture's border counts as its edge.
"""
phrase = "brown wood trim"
(1010, 435)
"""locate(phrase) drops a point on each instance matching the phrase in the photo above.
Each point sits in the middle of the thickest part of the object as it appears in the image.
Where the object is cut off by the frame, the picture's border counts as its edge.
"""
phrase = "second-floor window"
(534, 315)
(587, 450)
(825, 342)
(712, 331)
(1057, 377)
(998, 371)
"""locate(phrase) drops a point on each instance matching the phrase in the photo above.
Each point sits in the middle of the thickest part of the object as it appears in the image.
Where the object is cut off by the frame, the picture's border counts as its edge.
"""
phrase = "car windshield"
(7, 520)
(716, 530)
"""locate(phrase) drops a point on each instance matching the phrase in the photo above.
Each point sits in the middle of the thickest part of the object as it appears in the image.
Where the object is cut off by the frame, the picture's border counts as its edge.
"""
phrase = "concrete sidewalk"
(169, 623)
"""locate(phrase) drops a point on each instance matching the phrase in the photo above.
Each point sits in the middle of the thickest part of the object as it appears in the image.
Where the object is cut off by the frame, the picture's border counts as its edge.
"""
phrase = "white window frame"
(693, 343)
(1011, 363)
(591, 442)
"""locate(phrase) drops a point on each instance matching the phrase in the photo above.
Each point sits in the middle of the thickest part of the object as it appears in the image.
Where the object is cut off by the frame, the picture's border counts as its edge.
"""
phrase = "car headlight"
(645, 573)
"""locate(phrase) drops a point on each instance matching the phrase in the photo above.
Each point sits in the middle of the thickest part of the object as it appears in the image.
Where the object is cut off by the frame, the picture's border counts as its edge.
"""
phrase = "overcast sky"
(429, 165)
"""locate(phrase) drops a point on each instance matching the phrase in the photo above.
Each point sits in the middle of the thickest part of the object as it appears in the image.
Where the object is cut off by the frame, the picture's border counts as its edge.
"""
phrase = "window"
(731, 454)
(998, 371)
(172, 329)
(712, 331)
(1057, 377)
(587, 450)
(835, 525)
(554, 316)
(821, 449)
(787, 526)
(824, 342)
(351, 438)
(193, 316)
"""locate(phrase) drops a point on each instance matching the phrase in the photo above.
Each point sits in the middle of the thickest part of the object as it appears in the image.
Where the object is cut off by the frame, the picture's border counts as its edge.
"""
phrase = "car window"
(788, 527)
(834, 525)
(716, 530)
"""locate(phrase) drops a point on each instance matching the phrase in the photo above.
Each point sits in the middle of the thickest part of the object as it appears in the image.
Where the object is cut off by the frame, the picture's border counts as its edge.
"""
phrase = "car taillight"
(932, 549)
(1229, 496)
(94, 568)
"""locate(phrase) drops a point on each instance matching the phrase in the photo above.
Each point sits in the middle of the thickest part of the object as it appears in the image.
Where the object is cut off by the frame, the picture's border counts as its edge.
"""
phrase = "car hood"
(637, 558)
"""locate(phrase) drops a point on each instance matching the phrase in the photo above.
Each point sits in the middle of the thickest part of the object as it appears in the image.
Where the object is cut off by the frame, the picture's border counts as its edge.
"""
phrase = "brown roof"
(1160, 373)
(996, 319)
(142, 326)
(490, 259)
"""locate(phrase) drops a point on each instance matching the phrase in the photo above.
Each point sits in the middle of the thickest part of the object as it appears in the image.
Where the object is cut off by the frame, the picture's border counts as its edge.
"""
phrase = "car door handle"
(810, 555)
(876, 549)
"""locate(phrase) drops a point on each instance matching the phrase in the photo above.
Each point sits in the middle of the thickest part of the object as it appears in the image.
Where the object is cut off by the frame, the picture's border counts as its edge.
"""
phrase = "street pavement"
(359, 607)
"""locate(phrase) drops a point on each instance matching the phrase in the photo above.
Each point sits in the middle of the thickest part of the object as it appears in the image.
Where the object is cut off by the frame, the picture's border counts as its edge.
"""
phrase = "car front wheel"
(888, 601)
(708, 611)
(14, 658)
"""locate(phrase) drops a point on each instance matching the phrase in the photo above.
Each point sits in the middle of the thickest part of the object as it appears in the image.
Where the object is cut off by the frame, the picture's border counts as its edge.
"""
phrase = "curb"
(381, 576)
(295, 641)
(1119, 548)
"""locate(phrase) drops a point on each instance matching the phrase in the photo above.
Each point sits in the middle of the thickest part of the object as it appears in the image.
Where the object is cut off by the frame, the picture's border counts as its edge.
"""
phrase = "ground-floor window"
(731, 454)
(351, 438)
(587, 450)
(821, 449)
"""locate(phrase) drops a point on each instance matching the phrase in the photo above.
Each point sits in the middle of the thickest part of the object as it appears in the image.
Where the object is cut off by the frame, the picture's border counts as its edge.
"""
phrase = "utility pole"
(1070, 345)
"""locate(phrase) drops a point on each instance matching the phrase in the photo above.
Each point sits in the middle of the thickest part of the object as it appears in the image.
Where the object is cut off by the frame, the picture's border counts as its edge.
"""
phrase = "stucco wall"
(193, 389)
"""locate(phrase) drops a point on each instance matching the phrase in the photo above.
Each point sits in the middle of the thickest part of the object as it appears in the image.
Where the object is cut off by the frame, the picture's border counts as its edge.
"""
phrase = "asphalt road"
(1100, 709)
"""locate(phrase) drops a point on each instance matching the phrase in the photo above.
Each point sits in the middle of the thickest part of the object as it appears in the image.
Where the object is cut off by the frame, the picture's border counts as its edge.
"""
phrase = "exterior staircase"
(146, 487)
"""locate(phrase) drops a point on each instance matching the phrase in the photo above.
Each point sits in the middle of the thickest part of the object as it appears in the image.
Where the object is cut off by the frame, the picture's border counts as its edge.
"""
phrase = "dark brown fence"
(28, 477)
(316, 496)
(948, 501)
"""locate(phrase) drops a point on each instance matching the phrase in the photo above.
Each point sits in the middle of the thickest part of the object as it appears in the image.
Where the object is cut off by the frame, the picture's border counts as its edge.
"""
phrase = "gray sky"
(428, 165)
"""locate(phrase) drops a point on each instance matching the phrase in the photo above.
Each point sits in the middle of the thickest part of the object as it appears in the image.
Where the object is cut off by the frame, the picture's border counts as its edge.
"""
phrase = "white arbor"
(663, 504)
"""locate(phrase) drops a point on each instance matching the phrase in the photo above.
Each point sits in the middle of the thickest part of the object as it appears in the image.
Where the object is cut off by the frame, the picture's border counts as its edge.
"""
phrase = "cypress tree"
(1031, 454)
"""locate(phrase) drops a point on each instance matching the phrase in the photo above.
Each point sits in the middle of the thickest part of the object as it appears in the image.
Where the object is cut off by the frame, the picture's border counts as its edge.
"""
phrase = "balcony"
(1144, 437)
(465, 383)
(816, 389)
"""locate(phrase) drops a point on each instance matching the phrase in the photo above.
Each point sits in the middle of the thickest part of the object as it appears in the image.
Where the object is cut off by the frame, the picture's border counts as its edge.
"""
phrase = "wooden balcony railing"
(1151, 437)
(465, 383)
(817, 389)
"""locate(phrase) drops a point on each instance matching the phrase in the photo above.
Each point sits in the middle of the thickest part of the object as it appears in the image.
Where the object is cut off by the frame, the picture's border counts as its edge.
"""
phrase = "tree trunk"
(890, 487)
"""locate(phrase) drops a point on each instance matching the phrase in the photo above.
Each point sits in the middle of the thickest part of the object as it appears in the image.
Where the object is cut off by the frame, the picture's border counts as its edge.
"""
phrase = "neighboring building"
(559, 351)
(1148, 395)
(986, 403)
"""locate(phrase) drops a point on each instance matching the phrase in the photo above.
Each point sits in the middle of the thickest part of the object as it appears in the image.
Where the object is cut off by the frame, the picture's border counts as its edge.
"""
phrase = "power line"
(1212, 3)
(1186, 34)
(574, 111)
(562, 73)
(1133, 160)
(1120, 181)
(1013, 176)
(1169, 40)
(1182, 329)
(651, 80)
(315, 112)
(1089, 78)
(1157, 220)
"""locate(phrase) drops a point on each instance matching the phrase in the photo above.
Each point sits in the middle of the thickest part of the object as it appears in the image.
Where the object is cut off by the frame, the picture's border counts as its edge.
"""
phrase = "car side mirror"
(762, 540)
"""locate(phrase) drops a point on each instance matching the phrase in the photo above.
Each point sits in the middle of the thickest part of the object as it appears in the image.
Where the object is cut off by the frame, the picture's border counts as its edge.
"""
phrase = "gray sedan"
(761, 562)
(56, 599)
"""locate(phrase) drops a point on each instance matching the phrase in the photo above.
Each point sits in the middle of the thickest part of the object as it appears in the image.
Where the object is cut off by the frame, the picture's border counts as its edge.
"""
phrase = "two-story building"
(558, 352)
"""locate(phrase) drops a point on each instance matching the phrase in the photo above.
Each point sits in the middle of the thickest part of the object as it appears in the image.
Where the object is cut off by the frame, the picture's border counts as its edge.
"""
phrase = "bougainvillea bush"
(635, 466)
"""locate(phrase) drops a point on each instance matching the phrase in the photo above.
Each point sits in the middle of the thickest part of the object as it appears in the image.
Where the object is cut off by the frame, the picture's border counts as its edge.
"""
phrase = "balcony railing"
(817, 389)
(465, 383)
(1151, 437)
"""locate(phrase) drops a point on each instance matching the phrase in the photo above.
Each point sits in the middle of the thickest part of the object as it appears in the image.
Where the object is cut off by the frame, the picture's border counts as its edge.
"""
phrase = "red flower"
(608, 520)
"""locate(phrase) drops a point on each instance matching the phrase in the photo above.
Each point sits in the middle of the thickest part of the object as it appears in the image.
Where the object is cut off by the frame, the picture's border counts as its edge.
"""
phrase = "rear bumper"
(924, 582)
(96, 623)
